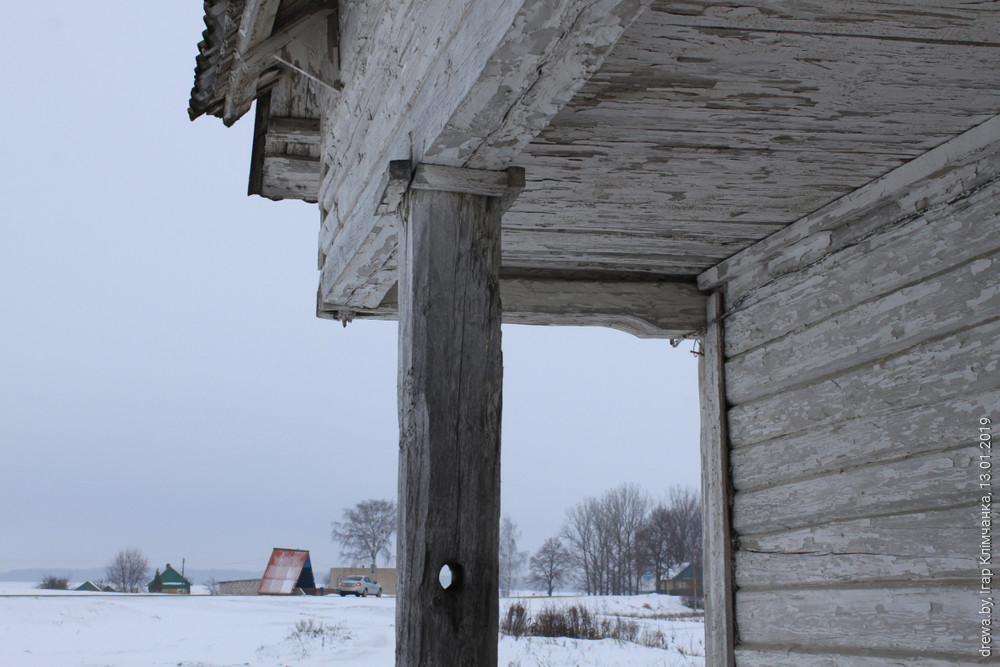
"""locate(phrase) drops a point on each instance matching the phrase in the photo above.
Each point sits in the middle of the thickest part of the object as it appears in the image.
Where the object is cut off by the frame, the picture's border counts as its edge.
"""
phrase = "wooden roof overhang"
(657, 138)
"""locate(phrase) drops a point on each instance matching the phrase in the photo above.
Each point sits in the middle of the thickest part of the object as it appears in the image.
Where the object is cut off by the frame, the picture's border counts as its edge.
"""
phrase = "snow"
(77, 629)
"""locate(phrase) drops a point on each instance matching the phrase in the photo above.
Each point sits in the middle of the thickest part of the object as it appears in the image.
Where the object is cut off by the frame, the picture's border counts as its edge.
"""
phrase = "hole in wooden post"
(450, 576)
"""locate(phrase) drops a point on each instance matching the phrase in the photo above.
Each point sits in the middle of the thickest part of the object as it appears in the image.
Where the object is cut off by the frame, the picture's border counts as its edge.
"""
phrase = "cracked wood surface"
(414, 76)
(862, 347)
(450, 385)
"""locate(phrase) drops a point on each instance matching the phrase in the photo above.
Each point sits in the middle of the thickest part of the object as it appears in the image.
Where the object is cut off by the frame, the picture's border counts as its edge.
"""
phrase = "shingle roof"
(212, 65)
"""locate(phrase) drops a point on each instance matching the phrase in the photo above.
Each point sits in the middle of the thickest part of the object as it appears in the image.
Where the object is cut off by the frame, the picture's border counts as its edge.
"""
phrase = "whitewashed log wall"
(862, 346)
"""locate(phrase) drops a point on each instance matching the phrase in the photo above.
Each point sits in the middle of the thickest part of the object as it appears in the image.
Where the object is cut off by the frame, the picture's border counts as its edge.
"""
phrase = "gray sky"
(164, 381)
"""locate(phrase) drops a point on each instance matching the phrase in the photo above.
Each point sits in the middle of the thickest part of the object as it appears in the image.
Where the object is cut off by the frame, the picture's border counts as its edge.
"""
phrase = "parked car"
(361, 586)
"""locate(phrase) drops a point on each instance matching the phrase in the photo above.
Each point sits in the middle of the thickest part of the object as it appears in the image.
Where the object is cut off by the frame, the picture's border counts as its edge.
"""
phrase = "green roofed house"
(89, 586)
(169, 581)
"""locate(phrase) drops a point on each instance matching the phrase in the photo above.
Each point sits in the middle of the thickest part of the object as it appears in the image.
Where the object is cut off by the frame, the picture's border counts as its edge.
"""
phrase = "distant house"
(688, 580)
(169, 581)
(288, 571)
(239, 587)
(89, 586)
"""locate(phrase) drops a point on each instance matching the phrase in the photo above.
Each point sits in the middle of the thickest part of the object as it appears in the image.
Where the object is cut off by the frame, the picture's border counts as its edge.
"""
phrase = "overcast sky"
(164, 381)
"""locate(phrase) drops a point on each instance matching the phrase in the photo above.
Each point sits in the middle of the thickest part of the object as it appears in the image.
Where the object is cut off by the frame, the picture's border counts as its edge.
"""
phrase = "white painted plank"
(863, 439)
(950, 301)
(643, 309)
(720, 628)
(898, 256)
(928, 20)
(408, 66)
(963, 364)
(749, 657)
(931, 179)
(936, 622)
(931, 481)
(913, 547)
(553, 48)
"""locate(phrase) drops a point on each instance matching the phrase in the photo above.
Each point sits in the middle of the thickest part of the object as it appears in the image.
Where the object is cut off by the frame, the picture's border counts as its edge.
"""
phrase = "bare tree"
(601, 534)
(685, 505)
(654, 543)
(587, 544)
(672, 534)
(127, 571)
(511, 560)
(624, 509)
(550, 565)
(366, 531)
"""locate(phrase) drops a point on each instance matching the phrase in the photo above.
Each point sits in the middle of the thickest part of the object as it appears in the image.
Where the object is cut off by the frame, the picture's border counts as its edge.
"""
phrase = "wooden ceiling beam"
(440, 84)
(257, 23)
(644, 309)
(552, 49)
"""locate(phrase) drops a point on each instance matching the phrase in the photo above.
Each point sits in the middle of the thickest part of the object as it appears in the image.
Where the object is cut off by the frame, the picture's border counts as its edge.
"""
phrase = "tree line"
(125, 573)
(604, 547)
(608, 543)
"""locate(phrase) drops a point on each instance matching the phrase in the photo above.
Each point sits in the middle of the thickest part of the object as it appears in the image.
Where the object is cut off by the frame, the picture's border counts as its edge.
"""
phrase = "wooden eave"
(281, 53)
(658, 139)
(703, 130)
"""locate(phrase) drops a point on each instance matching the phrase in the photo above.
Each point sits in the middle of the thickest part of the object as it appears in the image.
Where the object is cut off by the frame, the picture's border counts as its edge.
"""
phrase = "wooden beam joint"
(504, 184)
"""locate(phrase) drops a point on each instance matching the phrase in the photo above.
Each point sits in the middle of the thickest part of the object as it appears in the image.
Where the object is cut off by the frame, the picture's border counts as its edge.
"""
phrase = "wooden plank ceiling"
(710, 126)
(690, 132)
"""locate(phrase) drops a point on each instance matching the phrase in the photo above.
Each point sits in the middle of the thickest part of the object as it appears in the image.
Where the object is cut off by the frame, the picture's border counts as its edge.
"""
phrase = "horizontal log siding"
(753, 658)
(854, 383)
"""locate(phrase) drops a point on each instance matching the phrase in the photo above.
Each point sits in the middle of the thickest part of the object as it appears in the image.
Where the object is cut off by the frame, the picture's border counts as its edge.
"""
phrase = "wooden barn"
(808, 189)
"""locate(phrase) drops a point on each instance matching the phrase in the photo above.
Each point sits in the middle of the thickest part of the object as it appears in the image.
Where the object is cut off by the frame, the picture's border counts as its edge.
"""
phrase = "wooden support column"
(716, 495)
(450, 377)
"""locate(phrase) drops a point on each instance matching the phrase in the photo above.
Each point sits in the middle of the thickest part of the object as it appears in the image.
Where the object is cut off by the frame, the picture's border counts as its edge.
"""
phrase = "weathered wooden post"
(450, 378)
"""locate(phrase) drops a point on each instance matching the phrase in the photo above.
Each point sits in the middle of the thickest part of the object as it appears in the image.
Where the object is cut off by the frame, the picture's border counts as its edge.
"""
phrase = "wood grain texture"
(285, 162)
(716, 493)
(692, 121)
(259, 55)
(749, 657)
(407, 67)
(865, 341)
(936, 480)
(931, 21)
(911, 547)
(936, 240)
(937, 176)
(932, 622)
(646, 310)
(450, 380)
(954, 299)
(643, 309)
(491, 183)
(552, 49)
(863, 439)
(962, 364)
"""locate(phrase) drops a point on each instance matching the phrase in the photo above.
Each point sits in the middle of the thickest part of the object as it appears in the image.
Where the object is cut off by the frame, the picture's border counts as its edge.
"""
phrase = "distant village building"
(169, 581)
(288, 571)
(687, 581)
(89, 586)
(239, 587)
(385, 576)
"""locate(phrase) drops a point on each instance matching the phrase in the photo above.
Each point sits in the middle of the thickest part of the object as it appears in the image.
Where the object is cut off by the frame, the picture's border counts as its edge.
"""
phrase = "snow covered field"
(56, 629)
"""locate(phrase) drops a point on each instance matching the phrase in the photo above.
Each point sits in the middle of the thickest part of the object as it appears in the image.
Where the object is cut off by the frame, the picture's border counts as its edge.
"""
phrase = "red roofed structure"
(287, 570)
